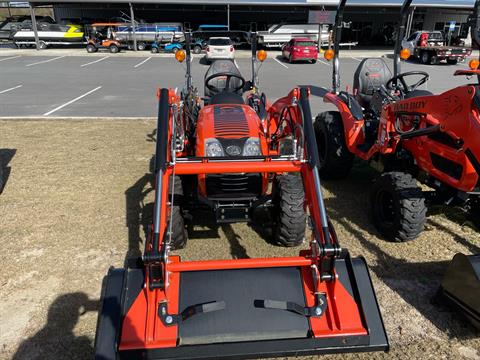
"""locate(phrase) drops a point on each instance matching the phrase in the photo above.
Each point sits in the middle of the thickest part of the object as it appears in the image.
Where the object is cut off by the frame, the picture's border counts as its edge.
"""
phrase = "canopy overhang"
(456, 4)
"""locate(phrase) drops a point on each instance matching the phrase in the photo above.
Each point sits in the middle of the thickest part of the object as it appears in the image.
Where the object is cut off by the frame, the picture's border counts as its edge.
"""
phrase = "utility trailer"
(429, 47)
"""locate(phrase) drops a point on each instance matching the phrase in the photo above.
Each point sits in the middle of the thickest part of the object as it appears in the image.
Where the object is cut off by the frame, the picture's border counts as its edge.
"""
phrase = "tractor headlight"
(252, 147)
(213, 148)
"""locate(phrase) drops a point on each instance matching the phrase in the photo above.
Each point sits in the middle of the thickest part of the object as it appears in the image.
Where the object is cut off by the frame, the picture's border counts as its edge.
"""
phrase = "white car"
(219, 48)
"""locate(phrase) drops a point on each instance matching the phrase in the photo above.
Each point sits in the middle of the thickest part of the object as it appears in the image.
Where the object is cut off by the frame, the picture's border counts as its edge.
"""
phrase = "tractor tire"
(154, 50)
(91, 48)
(113, 49)
(179, 232)
(335, 158)
(398, 206)
(425, 57)
(197, 49)
(452, 61)
(290, 217)
(141, 46)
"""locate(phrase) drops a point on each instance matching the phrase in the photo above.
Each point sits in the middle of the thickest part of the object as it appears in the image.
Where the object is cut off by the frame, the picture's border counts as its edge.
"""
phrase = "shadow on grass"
(6, 156)
(56, 340)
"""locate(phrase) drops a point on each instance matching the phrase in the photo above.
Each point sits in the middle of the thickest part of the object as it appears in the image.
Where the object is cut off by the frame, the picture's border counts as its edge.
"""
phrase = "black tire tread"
(338, 160)
(291, 217)
(179, 232)
(411, 204)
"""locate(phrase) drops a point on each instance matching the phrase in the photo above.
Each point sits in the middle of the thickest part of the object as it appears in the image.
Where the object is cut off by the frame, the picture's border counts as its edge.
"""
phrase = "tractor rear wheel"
(179, 232)
(290, 217)
(114, 49)
(398, 206)
(335, 159)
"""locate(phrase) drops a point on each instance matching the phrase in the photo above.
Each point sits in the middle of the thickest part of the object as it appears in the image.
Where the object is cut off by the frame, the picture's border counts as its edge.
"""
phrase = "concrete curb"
(77, 118)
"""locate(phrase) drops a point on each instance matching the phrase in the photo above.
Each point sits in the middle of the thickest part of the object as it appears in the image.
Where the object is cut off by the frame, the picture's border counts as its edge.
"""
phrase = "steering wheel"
(229, 76)
(398, 82)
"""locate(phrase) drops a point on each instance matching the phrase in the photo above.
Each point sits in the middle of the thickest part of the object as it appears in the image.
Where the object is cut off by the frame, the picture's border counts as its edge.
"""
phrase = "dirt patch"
(78, 195)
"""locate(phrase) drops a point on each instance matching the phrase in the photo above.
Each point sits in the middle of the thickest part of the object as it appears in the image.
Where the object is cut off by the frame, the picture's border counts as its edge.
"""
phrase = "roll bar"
(475, 27)
(337, 35)
(253, 41)
(400, 35)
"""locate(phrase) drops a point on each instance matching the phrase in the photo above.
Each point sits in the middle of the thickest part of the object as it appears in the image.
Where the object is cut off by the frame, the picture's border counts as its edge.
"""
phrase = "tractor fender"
(352, 125)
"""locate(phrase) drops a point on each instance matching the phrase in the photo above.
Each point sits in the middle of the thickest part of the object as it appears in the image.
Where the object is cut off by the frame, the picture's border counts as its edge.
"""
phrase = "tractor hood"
(230, 126)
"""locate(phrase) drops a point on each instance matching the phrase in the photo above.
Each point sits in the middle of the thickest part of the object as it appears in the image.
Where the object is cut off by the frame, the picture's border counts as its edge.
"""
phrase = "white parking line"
(10, 58)
(278, 61)
(324, 63)
(95, 61)
(13, 88)
(354, 58)
(143, 62)
(46, 61)
(72, 101)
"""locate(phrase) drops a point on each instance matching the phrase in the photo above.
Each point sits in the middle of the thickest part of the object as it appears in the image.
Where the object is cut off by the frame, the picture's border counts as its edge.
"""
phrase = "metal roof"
(458, 4)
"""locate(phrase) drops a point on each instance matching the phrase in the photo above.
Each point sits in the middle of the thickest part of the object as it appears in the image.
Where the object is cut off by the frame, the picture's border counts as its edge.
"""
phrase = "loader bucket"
(239, 310)
(460, 287)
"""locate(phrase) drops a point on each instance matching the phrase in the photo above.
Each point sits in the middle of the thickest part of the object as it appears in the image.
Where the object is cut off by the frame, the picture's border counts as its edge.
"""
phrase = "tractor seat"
(226, 97)
(416, 93)
(370, 75)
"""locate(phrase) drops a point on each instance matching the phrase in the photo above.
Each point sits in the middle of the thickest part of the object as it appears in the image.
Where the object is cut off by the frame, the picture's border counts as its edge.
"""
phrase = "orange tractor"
(234, 147)
(410, 135)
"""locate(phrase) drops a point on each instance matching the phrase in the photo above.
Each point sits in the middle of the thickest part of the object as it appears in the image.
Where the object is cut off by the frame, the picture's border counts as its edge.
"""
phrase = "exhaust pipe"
(188, 58)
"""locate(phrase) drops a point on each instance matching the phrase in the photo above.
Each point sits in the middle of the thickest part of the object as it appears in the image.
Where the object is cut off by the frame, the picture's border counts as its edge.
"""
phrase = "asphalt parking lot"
(125, 86)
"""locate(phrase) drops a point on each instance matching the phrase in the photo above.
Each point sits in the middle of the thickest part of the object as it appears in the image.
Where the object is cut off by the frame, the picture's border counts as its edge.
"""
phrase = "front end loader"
(460, 286)
(321, 301)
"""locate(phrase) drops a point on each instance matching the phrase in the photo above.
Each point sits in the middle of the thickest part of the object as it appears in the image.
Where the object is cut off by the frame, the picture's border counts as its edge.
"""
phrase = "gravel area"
(77, 197)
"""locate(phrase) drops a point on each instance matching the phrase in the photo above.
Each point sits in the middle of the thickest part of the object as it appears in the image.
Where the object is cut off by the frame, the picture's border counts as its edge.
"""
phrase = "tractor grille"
(233, 186)
(230, 121)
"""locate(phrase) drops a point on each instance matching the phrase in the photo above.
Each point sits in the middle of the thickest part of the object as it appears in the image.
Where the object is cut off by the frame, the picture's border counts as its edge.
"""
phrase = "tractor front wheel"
(398, 206)
(179, 232)
(290, 217)
(335, 159)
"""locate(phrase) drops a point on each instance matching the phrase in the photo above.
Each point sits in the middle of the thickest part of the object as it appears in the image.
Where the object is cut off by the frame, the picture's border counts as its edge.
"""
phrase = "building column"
(134, 34)
(34, 26)
(228, 17)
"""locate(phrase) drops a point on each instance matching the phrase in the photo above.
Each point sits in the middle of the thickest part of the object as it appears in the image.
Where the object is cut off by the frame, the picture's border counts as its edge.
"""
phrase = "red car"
(300, 49)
